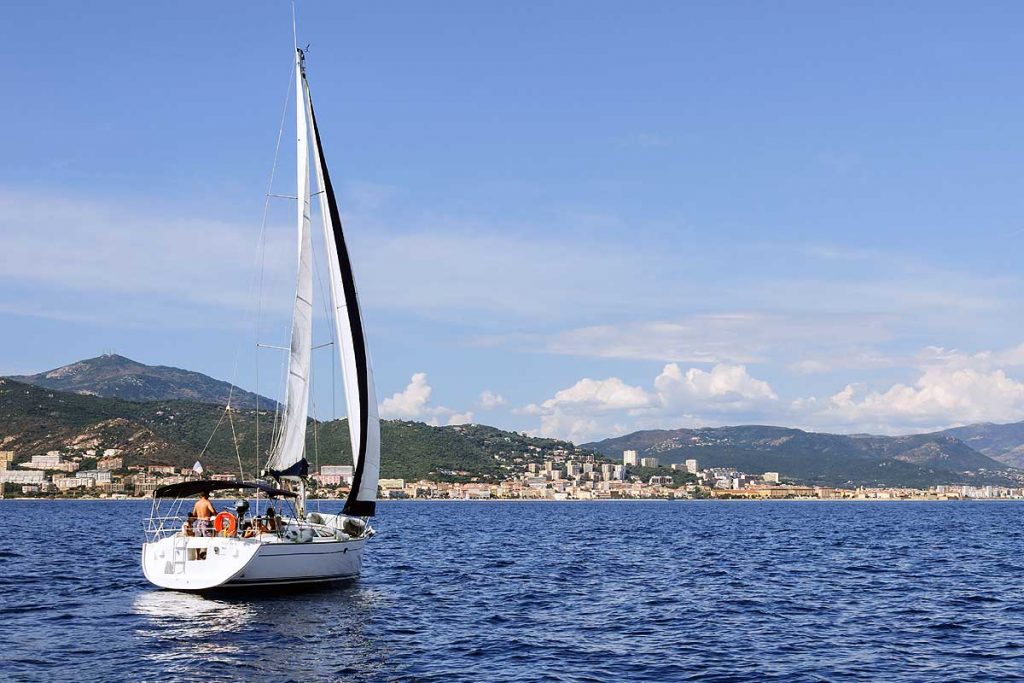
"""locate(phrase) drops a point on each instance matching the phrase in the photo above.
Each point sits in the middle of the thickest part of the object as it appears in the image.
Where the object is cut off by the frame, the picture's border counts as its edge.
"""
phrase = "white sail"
(360, 396)
(287, 456)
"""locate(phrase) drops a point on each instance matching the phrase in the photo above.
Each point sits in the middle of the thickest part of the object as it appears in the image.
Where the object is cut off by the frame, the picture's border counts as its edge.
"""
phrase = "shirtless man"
(204, 512)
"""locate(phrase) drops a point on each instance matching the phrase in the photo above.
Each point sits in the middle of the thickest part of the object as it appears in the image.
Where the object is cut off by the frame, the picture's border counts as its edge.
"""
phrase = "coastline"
(85, 499)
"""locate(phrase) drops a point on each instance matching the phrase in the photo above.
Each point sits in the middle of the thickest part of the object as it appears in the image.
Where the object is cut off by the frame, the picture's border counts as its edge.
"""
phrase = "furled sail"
(360, 397)
(287, 458)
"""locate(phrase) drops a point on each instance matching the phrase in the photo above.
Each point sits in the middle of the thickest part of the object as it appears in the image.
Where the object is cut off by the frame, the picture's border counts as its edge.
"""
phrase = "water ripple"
(709, 591)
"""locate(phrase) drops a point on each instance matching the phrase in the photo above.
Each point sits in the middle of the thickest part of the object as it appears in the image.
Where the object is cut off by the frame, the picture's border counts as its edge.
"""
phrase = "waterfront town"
(562, 475)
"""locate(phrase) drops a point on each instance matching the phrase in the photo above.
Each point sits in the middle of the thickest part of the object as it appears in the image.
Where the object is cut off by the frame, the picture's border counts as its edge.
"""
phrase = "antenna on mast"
(295, 35)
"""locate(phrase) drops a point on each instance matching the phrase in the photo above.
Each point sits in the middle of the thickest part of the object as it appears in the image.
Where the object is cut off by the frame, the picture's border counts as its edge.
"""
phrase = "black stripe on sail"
(353, 506)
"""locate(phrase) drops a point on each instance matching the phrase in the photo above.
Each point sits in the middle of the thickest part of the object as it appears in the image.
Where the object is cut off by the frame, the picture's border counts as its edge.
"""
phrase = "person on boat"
(204, 512)
(268, 525)
(248, 530)
(187, 526)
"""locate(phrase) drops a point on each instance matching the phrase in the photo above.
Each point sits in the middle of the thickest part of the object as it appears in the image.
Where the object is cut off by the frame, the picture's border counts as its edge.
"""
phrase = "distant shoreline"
(575, 500)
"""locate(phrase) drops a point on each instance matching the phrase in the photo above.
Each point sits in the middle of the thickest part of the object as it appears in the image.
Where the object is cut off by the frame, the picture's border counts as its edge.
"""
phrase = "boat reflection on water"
(324, 630)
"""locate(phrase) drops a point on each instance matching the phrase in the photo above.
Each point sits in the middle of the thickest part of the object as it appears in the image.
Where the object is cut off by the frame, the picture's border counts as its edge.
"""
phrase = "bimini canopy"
(195, 487)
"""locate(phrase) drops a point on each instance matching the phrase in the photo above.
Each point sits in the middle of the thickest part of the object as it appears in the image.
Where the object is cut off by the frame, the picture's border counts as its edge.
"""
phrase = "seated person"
(248, 530)
(268, 524)
(186, 527)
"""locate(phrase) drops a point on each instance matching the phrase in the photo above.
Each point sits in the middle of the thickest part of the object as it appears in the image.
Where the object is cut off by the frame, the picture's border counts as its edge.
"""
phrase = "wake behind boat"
(280, 543)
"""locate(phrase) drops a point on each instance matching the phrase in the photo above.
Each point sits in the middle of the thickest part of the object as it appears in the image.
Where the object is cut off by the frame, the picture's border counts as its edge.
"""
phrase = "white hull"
(192, 563)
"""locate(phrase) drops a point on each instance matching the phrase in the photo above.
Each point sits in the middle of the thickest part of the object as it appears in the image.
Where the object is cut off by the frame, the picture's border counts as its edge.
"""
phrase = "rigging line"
(261, 253)
(214, 432)
(316, 442)
(275, 433)
(238, 453)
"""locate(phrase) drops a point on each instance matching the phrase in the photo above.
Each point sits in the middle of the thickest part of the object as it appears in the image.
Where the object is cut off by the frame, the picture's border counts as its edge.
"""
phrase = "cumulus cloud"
(490, 400)
(601, 395)
(953, 388)
(593, 409)
(413, 403)
(726, 385)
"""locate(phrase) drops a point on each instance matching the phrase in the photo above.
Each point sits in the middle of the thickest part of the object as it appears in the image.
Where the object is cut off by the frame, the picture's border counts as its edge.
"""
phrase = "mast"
(360, 396)
(287, 458)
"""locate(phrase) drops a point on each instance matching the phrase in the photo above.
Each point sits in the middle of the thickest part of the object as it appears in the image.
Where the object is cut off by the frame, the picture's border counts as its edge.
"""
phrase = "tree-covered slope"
(35, 420)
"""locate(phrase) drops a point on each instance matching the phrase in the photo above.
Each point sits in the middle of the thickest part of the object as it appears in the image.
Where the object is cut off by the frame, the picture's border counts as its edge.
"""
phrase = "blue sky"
(606, 216)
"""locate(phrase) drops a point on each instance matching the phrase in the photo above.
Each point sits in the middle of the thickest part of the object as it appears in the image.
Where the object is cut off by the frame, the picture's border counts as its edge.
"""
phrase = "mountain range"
(114, 376)
(166, 415)
(823, 459)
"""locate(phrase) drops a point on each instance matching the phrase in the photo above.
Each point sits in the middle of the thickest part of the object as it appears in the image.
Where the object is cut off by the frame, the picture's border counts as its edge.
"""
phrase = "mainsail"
(287, 458)
(360, 397)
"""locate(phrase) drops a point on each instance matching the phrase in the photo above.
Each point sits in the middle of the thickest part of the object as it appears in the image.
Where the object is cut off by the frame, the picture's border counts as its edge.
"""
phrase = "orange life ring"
(225, 523)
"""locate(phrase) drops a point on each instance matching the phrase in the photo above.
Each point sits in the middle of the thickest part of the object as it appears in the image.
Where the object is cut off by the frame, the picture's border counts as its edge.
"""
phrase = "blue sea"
(509, 591)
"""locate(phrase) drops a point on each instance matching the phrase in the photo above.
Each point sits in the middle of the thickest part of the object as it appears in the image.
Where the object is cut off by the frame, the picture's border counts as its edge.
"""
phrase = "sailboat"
(284, 543)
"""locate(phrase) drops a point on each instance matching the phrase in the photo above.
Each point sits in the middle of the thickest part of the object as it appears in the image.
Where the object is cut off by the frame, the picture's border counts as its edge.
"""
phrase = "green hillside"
(35, 420)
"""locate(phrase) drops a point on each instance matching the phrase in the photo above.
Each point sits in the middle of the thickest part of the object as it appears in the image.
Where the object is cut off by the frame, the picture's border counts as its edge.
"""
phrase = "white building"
(44, 462)
(619, 473)
(65, 483)
(50, 461)
(100, 477)
(22, 477)
(691, 466)
(114, 463)
(648, 462)
(771, 477)
(629, 458)
(335, 475)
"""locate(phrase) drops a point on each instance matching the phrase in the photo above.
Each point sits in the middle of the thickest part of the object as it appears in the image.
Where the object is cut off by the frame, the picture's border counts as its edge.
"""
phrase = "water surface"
(473, 591)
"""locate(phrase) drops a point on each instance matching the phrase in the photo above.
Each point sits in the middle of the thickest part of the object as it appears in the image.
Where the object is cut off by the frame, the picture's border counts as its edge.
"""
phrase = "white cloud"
(413, 403)
(737, 337)
(844, 359)
(953, 388)
(490, 400)
(726, 385)
(460, 418)
(592, 409)
(601, 395)
(135, 264)
(409, 403)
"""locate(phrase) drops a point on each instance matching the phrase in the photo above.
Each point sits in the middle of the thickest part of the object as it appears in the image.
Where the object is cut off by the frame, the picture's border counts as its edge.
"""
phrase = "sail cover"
(360, 397)
(287, 457)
